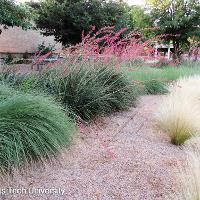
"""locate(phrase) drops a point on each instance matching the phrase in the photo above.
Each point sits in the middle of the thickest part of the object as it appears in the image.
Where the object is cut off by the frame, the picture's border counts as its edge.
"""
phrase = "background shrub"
(169, 73)
(6, 92)
(155, 87)
(23, 82)
(8, 59)
(30, 127)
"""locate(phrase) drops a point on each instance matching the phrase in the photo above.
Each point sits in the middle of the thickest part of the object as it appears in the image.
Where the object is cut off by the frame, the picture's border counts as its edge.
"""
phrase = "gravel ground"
(120, 157)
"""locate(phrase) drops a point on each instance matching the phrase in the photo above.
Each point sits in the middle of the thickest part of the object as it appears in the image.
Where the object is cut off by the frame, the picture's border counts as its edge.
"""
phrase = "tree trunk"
(176, 44)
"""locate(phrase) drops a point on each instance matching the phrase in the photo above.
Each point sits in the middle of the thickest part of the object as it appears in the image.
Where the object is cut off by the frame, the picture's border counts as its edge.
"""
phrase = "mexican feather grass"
(179, 112)
(188, 173)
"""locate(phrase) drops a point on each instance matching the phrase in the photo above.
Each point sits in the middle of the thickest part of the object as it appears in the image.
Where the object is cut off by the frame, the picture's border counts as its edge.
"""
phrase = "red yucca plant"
(107, 44)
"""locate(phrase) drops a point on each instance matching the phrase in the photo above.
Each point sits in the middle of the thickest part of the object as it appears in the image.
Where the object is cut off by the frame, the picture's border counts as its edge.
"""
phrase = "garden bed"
(123, 156)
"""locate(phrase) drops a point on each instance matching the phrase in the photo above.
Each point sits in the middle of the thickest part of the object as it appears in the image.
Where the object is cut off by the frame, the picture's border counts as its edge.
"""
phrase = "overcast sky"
(130, 2)
(135, 2)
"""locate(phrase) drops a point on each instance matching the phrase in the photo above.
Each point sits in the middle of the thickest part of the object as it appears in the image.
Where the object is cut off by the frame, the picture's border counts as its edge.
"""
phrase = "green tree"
(141, 20)
(67, 19)
(177, 19)
(12, 14)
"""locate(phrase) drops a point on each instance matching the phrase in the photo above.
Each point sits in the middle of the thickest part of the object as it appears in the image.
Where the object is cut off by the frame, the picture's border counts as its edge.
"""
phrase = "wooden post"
(156, 52)
(168, 54)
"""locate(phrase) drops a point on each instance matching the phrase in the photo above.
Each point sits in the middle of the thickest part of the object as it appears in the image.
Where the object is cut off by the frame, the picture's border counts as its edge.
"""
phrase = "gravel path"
(120, 157)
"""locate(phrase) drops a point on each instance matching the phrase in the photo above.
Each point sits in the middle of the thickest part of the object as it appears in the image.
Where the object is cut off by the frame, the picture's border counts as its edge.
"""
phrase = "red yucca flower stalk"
(38, 58)
(106, 44)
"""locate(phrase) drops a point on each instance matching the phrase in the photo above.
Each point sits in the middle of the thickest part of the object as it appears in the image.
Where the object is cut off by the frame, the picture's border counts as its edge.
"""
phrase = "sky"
(135, 2)
(130, 2)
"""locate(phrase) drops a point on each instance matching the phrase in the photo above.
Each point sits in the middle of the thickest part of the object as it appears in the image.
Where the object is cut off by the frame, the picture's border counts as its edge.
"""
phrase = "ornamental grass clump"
(188, 173)
(179, 113)
(89, 90)
(155, 87)
(188, 85)
(31, 127)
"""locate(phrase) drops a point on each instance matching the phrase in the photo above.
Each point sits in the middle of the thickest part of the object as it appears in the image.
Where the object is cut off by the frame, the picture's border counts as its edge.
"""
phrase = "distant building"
(17, 41)
(164, 50)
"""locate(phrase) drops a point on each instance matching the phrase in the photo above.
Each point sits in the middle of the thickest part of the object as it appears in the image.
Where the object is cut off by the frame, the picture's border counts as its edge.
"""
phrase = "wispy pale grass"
(188, 172)
(187, 85)
(179, 118)
(179, 113)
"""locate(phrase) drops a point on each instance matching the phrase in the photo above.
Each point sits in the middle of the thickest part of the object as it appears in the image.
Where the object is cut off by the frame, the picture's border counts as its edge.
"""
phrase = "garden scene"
(100, 100)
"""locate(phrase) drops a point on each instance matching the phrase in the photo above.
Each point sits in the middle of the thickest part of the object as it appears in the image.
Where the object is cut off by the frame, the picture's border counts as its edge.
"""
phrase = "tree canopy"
(141, 20)
(177, 19)
(12, 14)
(67, 19)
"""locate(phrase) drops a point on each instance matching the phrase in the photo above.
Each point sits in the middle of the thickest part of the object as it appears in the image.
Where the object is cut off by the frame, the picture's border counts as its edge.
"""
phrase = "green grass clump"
(86, 89)
(155, 87)
(90, 90)
(31, 127)
(169, 73)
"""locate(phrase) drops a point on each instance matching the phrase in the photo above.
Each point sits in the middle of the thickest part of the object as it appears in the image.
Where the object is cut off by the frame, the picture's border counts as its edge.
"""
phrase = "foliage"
(43, 49)
(176, 120)
(8, 59)
(90, 89)
(14, 15)
(155, 87)
(67, 19)
(178, 20)
(163, 62)
(28, 83)
(24, 82)
(5, 92)
(11, 59)
(31, 127)
(141, 20)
